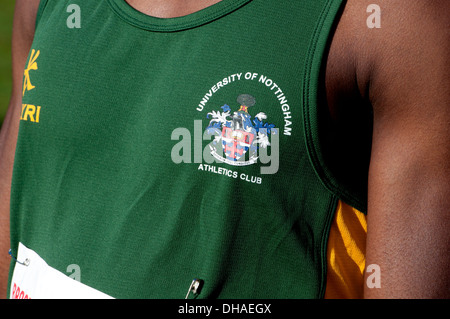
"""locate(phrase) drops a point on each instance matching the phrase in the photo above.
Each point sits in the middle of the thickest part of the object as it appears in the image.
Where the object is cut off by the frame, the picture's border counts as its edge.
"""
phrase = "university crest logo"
(238, 135)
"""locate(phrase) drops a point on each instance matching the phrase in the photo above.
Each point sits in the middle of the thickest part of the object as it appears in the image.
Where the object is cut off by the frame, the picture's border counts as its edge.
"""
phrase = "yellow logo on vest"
(30, 112)
(32, 65)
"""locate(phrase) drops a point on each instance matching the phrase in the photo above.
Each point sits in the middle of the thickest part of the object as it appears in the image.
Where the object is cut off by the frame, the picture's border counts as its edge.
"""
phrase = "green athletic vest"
(155, 151)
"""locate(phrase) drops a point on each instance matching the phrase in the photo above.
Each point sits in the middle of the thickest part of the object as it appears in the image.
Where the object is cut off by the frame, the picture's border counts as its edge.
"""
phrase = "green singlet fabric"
(155, 151)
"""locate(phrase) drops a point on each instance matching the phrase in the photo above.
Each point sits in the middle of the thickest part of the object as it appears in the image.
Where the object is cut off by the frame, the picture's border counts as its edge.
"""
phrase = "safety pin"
(25, 263)
(194, 287)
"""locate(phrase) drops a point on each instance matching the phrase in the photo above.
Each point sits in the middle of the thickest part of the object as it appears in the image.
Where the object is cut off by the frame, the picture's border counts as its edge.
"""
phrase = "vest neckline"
(198, 18)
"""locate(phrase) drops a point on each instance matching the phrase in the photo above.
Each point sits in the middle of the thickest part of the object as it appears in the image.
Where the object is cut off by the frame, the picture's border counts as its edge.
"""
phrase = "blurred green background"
(6, 19)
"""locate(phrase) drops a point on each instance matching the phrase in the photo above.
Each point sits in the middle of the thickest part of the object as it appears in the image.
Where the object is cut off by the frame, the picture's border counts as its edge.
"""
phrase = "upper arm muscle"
(409, 176)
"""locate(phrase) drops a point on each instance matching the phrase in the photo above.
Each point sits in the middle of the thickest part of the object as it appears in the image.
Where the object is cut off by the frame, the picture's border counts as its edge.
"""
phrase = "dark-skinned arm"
(22, 38)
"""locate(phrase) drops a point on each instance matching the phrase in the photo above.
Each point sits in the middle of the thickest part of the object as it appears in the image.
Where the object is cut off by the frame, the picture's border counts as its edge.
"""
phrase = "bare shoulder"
(380, 45)
(389, 61)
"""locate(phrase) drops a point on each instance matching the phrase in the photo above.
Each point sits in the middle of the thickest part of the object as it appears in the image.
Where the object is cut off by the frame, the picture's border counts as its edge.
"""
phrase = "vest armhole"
(311, 113)
(42, 5)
